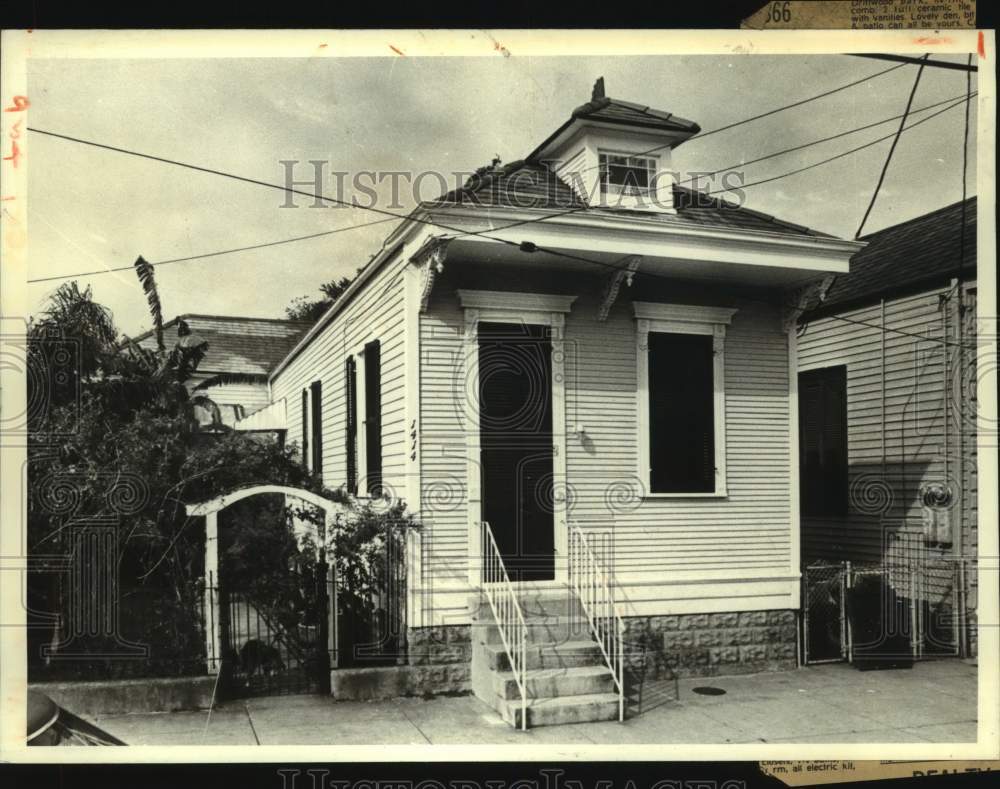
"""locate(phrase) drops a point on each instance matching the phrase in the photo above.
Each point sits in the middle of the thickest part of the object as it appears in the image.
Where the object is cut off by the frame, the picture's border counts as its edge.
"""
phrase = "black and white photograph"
(397, 391)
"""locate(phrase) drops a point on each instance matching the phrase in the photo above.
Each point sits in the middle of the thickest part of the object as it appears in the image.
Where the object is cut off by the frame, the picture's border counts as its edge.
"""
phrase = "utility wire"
(393, 215)
(892, 148)
(458, 231)
(504, 227)
(401, 216)
(837, 156)
(820, 141)
(216, 254)
(965, 162)
(793, 105)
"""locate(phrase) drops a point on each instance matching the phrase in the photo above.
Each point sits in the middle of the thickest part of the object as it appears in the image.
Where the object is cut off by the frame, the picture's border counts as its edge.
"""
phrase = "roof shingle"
(917, 251)
(523, 184)
(236, 344)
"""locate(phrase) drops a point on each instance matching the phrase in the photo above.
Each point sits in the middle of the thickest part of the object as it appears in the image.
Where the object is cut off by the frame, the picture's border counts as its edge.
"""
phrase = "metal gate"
(278, 638)
(824, 614)
(897, 611)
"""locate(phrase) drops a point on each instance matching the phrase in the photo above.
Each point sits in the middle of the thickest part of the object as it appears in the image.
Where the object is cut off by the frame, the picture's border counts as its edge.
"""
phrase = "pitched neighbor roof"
(532, 183)
(235, 344)
(915, 253)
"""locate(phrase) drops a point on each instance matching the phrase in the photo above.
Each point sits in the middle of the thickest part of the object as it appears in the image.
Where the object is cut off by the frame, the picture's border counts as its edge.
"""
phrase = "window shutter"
(305, 428)
(681, 413)
(823, 441)
(373, 417)
(351, 424)
(316, 390)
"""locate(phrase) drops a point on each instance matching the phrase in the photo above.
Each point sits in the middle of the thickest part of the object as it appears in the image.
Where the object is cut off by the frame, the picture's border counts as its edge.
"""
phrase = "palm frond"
(231, 378)
(144, 270)
(187, 359)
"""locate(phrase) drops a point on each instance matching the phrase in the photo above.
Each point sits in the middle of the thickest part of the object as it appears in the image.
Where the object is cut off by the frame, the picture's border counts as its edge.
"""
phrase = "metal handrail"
(593, 588)
(507, 614)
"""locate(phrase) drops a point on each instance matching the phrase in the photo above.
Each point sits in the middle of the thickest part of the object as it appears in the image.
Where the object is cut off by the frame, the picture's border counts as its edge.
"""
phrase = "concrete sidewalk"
(933, 702)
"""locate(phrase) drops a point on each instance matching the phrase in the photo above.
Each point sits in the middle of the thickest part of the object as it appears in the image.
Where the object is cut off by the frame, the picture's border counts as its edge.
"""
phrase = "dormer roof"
(602, 109)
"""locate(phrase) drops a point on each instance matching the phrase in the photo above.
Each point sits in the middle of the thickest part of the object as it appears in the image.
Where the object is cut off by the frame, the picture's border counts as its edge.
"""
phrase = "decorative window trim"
(682, 319)
(503, 303)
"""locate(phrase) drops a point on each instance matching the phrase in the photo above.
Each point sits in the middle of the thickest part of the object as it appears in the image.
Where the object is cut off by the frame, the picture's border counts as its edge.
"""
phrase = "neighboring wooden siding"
(250, 397)
(671, 555)
(894, 449)
(375, 314)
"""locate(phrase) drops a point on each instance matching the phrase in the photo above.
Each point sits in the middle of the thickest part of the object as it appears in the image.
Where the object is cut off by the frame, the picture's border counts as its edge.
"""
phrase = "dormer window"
(622, 174)
(617, 154)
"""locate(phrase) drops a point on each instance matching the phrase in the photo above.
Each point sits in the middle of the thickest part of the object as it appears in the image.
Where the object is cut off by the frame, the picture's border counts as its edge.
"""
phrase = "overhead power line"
(775, 111)
(892, 149)
(616, 266)
(965, 160)
(837, 156)
(932, 63)
(390, 214)
(822, 140)
(347, 228)
(217, 254)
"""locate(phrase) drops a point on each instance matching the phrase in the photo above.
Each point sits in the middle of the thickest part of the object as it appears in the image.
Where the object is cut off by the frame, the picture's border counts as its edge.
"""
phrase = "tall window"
(626, 175)
(823, 441)
(305, 428)
(316, 392)
(373, 417)
(680, 357)
(351, 424)
(681, 414)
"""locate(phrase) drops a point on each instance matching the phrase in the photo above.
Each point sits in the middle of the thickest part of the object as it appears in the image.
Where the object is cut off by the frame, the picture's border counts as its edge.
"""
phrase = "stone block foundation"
(438, 663)
(691, 645)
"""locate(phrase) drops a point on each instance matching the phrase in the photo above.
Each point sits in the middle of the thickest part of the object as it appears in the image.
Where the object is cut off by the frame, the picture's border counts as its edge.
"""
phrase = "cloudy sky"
(92, 209)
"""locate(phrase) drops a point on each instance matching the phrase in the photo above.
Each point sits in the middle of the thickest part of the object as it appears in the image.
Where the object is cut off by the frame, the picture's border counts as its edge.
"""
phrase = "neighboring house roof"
(523, 184)
(915, 253)
(235, 344)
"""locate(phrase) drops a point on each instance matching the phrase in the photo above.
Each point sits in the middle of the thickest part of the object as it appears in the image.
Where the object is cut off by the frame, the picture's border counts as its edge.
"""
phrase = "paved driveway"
(933, 702)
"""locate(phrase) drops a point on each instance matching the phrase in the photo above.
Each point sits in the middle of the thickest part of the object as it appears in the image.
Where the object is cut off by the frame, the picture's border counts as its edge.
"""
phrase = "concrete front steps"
(566, 678)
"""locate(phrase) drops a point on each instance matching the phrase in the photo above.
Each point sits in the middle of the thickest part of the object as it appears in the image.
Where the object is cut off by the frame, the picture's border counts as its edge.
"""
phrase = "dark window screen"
(305, 427)
(823, 441)
(681, 413)
(373, 417)
(316, 390)
(351, 424)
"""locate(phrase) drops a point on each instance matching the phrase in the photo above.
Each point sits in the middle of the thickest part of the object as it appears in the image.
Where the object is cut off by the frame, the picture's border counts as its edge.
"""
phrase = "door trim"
(537, 309)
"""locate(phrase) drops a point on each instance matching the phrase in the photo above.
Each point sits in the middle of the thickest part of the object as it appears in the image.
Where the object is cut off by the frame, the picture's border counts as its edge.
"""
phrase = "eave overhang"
(591, 241)
(597, 241)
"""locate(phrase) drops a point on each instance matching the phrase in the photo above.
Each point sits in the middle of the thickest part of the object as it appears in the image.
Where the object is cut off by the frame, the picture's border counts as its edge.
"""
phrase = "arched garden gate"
(276, 640)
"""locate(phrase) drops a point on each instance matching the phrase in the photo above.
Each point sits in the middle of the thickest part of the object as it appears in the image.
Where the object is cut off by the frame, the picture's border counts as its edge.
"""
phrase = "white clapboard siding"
(374, 314)
(680, 555)
(896, 431)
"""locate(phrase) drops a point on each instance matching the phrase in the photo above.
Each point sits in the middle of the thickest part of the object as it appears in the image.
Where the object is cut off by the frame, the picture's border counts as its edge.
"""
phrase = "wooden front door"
(515, 423)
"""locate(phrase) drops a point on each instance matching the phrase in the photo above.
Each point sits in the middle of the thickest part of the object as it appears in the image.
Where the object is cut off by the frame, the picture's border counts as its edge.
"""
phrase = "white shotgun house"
(599, 365)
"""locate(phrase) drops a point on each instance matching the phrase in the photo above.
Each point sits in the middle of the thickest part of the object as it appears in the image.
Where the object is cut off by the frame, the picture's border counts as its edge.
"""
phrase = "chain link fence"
(908, 607)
